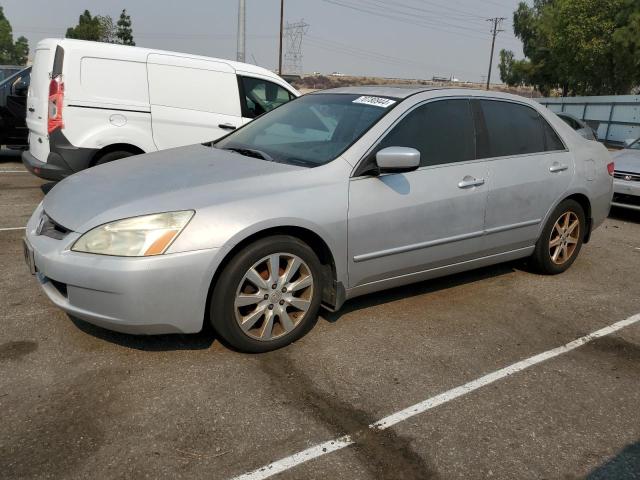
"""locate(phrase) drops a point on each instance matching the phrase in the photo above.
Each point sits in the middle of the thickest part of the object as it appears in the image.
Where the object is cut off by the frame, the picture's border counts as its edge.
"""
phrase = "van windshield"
(309, 131)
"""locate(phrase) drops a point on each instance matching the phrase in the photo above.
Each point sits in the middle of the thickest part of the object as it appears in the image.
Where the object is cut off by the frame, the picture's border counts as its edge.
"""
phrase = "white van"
(90, 103)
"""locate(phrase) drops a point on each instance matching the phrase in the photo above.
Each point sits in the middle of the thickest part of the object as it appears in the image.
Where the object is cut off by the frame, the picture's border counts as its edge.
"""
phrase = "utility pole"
(281, 35)
(494, 31)
(240, 55)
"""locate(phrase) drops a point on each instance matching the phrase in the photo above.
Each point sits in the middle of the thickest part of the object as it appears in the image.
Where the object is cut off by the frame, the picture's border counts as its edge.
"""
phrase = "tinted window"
(551, 140)
(571, 122)
(261, 96)
(442, 131)
(510, 129)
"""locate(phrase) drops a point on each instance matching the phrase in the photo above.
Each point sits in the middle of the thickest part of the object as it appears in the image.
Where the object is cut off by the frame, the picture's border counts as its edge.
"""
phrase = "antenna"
(294, 32)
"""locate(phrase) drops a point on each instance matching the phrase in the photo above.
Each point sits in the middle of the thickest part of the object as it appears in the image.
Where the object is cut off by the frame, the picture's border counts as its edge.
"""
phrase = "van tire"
(112, 156)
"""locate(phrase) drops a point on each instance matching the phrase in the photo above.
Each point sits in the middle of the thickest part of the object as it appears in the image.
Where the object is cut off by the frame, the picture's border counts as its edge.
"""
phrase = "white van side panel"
(190, 99)
(38, 100)
(106, 99)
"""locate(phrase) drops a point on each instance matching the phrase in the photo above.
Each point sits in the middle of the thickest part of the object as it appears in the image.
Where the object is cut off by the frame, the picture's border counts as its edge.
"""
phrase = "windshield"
(310, 131)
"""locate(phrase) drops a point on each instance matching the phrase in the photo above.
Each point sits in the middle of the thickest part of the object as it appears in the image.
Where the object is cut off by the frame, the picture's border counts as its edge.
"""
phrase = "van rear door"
(38, 98)
(192, 100)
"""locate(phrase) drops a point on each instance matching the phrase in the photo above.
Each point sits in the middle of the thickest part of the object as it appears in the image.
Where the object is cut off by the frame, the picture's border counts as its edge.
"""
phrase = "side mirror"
(397, 159)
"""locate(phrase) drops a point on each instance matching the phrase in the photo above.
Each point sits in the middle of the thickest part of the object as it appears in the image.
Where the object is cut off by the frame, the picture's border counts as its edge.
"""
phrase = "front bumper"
(148, 295)
(626, 194)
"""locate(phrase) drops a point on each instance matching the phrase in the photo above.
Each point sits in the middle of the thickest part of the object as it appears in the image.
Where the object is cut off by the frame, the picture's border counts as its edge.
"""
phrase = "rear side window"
(551, 140)
(260, 96)
(509, 129)
(442, 131)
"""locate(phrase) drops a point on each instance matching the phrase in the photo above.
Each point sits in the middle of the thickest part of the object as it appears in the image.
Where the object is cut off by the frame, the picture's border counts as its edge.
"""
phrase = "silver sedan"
(627, 177)
(333, 195)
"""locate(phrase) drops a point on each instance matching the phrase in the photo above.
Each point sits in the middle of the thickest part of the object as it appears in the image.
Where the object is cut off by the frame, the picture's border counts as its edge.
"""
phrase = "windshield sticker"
(375, 101)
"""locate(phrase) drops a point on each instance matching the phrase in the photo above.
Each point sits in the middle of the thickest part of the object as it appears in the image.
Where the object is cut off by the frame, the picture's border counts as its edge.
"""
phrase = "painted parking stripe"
(395, 418)
(14, 171)
(11, 229)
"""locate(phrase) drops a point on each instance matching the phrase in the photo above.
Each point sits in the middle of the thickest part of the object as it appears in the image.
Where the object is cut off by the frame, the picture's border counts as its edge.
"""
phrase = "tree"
(583, 47)
(97, 29)
(124, 32)
(21, 51)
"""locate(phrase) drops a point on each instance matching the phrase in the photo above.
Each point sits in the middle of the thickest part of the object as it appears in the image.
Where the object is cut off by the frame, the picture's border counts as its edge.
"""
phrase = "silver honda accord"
(333, 195)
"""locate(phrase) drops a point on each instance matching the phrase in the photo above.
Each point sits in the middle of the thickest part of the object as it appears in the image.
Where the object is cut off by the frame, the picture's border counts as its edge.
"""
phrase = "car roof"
(395, 91)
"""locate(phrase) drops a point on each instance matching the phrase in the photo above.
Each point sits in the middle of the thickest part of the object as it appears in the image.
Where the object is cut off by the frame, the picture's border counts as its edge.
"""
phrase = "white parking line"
(395, 418)
(14, 171)
(11, 229)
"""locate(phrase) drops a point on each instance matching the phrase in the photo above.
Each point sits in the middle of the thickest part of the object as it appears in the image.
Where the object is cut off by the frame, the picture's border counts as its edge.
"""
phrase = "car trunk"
(38, 98)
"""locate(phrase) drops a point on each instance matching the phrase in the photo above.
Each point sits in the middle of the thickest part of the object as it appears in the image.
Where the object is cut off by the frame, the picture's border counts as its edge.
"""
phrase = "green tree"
(124, 31)
(583, 47)
(97, 29)
(6, 39)
(21, 51)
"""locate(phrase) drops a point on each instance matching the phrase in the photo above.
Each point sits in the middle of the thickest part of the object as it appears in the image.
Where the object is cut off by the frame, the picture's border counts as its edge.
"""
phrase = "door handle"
(475, 182)
(558, 168)
(31, 109)
(227, 126)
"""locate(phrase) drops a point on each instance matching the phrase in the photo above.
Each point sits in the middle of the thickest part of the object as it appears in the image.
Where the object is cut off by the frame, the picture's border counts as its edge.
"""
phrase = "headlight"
(134, 237)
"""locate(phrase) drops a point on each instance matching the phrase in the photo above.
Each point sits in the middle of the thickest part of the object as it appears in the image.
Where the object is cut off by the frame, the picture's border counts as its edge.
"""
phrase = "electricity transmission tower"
(495, 30)
(240, 55)
(294, 32)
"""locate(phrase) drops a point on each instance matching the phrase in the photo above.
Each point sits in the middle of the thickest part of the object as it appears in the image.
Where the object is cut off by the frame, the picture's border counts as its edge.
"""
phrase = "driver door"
(402, 224)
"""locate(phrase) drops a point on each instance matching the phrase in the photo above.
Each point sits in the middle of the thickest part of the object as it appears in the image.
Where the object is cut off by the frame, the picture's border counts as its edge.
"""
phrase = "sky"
(415, 39)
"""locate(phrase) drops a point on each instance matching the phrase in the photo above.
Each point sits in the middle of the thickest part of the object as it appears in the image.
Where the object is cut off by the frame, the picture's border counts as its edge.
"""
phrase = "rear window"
(511, 129)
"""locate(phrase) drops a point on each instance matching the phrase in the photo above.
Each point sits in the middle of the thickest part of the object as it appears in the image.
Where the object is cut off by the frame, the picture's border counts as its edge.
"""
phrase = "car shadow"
(10, 155)
(422, 288)
(624, 466)
(149, 343)
(625, 215)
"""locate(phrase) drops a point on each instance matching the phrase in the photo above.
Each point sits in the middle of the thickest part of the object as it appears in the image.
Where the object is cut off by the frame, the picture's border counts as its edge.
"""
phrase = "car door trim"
(442, 241)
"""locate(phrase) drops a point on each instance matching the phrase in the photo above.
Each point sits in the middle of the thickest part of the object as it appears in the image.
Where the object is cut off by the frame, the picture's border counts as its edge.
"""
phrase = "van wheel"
(268, 295)
(561, 240)
(111, 156)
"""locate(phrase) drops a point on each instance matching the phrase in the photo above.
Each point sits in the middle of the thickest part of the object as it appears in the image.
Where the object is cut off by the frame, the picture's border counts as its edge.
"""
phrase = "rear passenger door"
(529, 170)
(404, 223)
(258, 96)
(192, 100)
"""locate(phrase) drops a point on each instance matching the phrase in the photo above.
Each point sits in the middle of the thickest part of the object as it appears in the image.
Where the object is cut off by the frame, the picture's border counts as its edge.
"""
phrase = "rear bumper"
(54, 169)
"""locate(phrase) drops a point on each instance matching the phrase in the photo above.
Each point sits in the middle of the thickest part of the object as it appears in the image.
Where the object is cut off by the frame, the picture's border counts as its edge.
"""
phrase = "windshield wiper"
(299, 162)
(249, 152)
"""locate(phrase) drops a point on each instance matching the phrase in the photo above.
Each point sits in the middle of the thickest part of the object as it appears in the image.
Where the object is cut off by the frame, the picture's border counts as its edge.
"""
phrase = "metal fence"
(616, 119)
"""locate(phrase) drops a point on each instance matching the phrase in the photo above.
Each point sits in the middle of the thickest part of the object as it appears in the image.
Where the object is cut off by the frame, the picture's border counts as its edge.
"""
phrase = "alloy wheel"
(273, 296)
(564, 238)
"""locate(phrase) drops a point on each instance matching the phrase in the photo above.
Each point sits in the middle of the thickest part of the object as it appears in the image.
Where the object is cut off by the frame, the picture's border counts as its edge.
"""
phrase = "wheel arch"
(115, 147)
(333, 294)
(583, 199)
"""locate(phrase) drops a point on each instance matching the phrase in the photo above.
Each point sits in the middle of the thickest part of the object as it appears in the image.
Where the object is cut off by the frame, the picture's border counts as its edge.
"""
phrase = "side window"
(442, 131)
(551, 140)
(509, 129)
(261, 96)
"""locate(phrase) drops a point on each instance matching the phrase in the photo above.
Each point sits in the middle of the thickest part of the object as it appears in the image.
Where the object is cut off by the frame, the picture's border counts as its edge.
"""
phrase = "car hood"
(186, 178)
(627, 161)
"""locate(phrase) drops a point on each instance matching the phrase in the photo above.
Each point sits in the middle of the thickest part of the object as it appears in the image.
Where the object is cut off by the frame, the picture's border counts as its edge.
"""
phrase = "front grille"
(50, 228)
(633, 200)
(628, 176)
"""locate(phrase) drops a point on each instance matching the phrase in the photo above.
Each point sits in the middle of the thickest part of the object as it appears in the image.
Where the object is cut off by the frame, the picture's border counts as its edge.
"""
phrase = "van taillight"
(611, 168)
(56, 97)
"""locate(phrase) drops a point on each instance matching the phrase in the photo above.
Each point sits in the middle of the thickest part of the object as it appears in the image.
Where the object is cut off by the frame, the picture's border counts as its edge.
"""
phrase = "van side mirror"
(397, 159)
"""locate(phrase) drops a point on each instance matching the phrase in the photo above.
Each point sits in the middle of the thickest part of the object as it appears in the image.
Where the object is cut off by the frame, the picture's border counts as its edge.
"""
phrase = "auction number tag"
(375, 101)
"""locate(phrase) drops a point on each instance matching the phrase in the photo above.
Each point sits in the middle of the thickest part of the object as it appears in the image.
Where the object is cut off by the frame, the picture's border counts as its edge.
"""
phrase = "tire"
(551, 259)
(111, 156)
(252, 316)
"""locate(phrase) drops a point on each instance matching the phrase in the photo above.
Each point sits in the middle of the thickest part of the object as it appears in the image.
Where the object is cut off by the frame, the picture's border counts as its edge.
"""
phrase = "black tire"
(542, 258)
(112, 156)
(222, 308)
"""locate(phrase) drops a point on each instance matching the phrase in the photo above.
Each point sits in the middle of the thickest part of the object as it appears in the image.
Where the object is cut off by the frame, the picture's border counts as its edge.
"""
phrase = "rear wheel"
(268, 295)
(111, 156)
(561, 240)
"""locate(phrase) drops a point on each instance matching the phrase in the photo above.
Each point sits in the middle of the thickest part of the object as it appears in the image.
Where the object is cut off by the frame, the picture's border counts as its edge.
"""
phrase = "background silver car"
(334, 195)
(580, 126)
(627, 177)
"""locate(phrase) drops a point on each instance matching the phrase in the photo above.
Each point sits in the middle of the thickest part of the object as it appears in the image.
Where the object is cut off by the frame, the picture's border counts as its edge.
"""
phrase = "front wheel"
(561, 239)
(268, 295)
